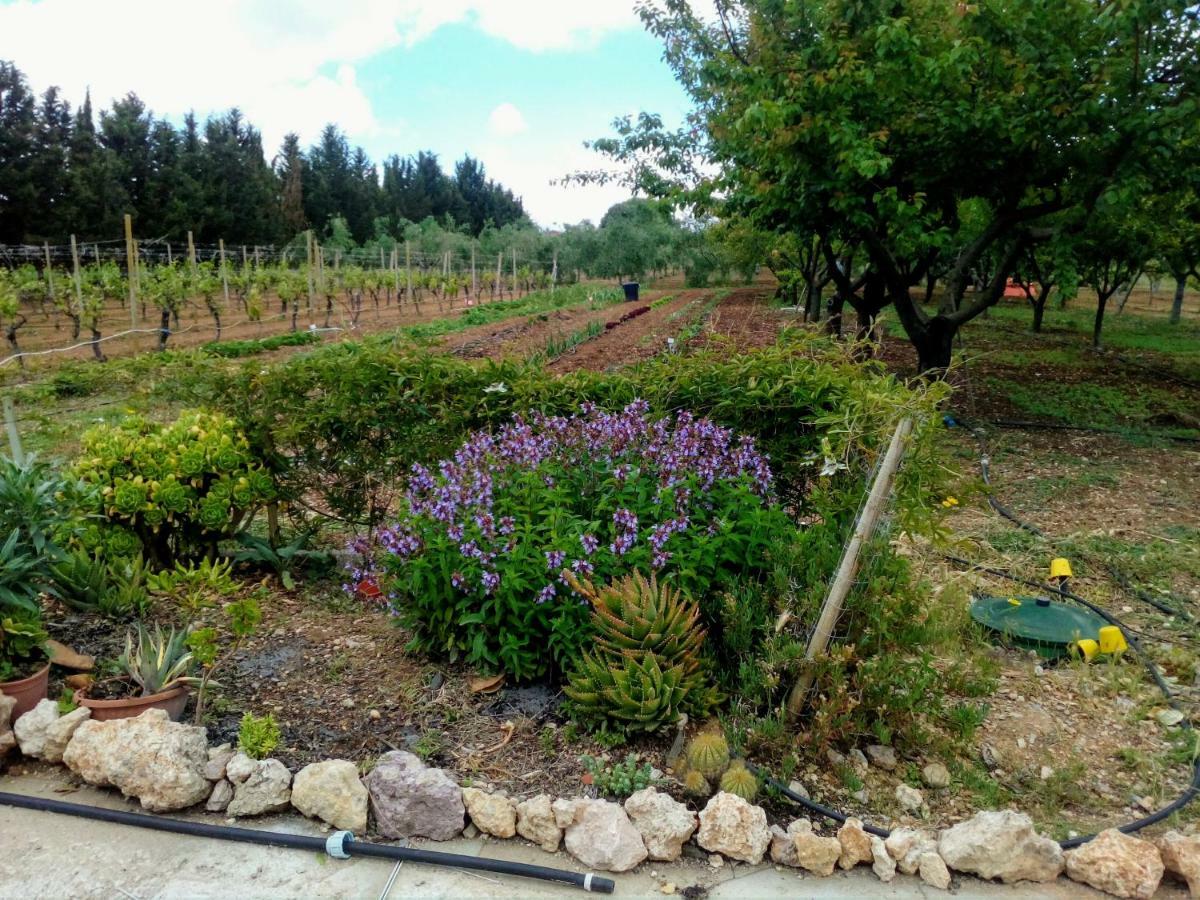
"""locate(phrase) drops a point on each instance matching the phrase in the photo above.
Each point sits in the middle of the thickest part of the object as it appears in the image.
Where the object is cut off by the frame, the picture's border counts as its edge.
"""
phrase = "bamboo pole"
(848, 568)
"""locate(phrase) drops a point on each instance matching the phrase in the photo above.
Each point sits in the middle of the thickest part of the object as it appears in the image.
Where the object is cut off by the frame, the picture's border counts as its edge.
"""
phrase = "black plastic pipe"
(352, 847)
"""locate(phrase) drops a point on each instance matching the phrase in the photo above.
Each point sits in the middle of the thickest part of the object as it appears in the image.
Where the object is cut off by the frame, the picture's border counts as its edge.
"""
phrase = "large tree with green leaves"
(879, 123)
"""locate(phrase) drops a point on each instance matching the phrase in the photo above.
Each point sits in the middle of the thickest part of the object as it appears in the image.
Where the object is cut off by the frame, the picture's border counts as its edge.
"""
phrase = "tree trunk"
(1177, 302)
(96, 351)
(833, 324)
(935, 345)
(1039, 306)
(164, 328)
(11, 333)
(1101, 303)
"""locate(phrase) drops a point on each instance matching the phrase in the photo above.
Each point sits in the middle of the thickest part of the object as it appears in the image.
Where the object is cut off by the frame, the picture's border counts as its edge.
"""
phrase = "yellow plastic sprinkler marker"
(1061, 568)
(1086, 649)
(1112, 640)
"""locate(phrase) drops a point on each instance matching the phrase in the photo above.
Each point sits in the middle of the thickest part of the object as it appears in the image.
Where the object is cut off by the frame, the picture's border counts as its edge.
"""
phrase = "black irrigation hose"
(351, 847)
(811, 805)
(1194, 787)
(1090, 429)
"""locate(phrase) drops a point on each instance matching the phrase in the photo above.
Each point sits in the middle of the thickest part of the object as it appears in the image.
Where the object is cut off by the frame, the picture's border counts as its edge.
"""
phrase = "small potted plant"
(158, 665)
(24, 663)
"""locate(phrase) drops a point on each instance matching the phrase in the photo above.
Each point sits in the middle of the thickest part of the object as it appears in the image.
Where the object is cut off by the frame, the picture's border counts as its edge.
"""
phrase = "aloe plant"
(157, 661)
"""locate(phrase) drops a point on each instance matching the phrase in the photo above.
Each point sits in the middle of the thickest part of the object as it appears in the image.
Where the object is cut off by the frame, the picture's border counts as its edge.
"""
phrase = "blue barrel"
(631, 290)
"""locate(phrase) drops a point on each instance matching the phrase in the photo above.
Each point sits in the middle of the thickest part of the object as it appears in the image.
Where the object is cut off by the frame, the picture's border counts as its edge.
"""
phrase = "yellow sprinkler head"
(1060, 568)
(1086, 649)
(1013, 601)
(1112, 640)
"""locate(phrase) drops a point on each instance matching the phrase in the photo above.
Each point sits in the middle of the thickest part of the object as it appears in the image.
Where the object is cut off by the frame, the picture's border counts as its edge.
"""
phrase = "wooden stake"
(848, 568)
(78, 281)
(408, 269)
(130, 269)
(192, 254)
(308, 255)
(474, 282)
(14, 436)
(49, 271)
(170, 259)
(514, 271)
(499, 275)
(554, 272)
(224, 274)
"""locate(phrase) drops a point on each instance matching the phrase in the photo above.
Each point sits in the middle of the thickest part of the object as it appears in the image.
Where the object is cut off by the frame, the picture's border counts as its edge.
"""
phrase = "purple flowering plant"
(474, 562)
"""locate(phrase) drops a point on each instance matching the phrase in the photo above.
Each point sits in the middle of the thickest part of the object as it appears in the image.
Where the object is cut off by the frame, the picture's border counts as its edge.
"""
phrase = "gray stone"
(267, 790)
(218, 800)
(933, 871)
(664, 823)
(601, 837)
(882, 863)
(239, 767)
(936, 776)
(858, 761)
(883, 757)
(907, 846)
(149, 757)
(493, 814)
(32, 728)
(8, 740)
(332, 792)
(783, 847)
(1001, 845)
(732, 827)
(409, 799)
(218, 759)
(535, 822)
(909, 798)
(60, 732)
(1181, 857)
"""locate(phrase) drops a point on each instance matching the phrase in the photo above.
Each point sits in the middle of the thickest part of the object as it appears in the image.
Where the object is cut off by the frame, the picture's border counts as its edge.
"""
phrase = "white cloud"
(506, 121)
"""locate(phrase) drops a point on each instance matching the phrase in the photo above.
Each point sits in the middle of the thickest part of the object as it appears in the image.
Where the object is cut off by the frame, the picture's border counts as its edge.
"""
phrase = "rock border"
(169, 766)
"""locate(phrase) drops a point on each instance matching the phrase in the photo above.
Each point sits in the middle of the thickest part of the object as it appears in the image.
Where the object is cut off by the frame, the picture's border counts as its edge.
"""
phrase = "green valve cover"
(1034, 623)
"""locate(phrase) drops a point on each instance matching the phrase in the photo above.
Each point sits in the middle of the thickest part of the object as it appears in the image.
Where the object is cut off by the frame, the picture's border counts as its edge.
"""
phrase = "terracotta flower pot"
(172, 700)
(27, 691)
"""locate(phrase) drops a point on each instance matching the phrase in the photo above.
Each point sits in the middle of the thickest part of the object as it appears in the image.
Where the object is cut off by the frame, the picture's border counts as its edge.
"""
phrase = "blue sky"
(518, 83)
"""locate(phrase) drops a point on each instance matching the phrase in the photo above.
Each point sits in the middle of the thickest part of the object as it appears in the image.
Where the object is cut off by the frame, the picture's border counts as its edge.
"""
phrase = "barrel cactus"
(708, 754)
(740, 781)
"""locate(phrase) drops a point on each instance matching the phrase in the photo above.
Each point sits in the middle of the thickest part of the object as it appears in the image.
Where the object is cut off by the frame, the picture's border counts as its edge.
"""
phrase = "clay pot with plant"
(155, 668)
(24, 662)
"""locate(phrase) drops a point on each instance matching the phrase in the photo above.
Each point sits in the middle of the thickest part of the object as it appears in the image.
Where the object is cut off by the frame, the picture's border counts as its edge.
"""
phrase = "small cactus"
(740, 781)
(695, 784)
(708, 754)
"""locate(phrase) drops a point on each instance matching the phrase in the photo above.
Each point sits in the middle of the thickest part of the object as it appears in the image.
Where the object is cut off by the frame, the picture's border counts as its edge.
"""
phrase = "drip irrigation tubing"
(1090, 429)
(340, 845)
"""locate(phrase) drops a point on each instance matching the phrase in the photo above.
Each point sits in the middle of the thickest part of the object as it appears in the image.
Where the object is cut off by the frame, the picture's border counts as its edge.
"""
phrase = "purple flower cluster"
(683, 456)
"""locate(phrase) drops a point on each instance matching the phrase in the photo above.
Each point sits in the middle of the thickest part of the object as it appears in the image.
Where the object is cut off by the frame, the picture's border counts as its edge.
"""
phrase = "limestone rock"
(909, 798)
(267, 789)
(907, 846)
(535, 822)
(933, 871)
(332, 792)
(8, 740)
(664, 823)
(602, 837)
(856, 844)
(31, 729)
(1001, 845)
(783, 848)
(737, 829)
(1117, 864)
(1181, 857)
(936, 776)
(218, 759)
(409, 799)
(858, 761)
(60, 732)
(149, 757)
(566, 811)
(218, 800)
(239, 767)
(815, 853)
(882, 863)
(493, 814)
(883, 757)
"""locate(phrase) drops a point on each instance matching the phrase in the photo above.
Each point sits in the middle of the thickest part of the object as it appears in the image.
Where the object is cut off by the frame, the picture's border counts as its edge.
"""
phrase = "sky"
(519, 84)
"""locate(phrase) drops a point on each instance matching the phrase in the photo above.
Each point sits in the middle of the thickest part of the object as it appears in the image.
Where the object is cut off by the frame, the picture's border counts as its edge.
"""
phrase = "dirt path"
(631, 341)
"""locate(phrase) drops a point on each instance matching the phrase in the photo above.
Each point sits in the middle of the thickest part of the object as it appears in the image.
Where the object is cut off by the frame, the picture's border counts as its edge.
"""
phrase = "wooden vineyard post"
(382, 265)
(554, 272)
(499, 286)
(14, 436)
(408, 270)
(474, 282)
(192, 255)
(130, 270)
(396, 274)
(848, 568)
(308, 255)
(49, 272)
(224, 274)
(75, 273)
(170, 259)
(514, 271)
(257, 259)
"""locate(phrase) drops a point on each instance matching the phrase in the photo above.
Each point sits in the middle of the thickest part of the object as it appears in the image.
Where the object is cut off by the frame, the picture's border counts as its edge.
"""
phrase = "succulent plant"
(708, 754)
(645, 666)
(695, 784)
(740, 781)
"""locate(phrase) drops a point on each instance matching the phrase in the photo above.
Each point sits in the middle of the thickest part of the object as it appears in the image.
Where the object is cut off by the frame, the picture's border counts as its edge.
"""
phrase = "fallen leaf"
(486, 684)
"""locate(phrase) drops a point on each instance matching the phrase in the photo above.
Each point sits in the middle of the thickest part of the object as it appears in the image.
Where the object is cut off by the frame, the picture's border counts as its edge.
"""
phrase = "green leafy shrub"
(258, 736)
(22, 644)
(87, 582)
(36, 516)
(180, 488)
(235, 349)
(475, 561)
(645, 665)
